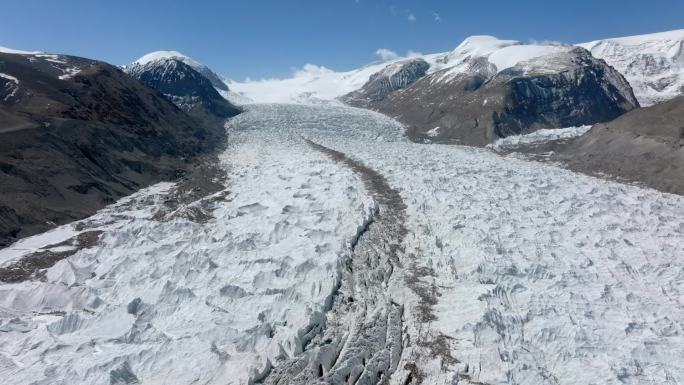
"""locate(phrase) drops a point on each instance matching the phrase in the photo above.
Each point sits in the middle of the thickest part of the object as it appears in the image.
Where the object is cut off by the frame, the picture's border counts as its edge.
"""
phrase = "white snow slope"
(538, 275)
(653, 64)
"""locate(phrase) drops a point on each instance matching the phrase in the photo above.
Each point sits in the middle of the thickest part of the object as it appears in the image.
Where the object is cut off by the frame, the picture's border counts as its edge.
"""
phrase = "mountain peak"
(158, 56)
(166, 55)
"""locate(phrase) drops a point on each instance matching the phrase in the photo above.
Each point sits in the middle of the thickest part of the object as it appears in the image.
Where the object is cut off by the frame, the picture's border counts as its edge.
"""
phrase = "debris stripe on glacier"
(362, 340)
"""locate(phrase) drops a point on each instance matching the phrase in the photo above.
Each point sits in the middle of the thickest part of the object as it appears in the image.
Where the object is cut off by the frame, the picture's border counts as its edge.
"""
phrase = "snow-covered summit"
(653, 63)
(654, 40)
(165, 55)
(502, 54)
(153, 58)
(18, 52)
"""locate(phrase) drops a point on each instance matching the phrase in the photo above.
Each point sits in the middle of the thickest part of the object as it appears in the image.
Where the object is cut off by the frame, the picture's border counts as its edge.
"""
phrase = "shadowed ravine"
(362, 341)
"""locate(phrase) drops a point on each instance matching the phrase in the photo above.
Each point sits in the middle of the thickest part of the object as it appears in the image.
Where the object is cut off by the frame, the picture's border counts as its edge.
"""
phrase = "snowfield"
(653, 64)
(508, 271)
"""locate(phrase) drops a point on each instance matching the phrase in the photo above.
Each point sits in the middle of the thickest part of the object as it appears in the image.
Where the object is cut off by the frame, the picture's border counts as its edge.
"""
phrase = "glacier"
(507, 271)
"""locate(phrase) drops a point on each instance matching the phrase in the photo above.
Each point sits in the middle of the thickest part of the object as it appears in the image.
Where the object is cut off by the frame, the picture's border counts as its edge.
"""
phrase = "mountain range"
(78, 134)
(422, 220)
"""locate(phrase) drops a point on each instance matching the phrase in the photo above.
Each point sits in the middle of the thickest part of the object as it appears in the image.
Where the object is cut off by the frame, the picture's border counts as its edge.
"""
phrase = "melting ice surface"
(541, 275)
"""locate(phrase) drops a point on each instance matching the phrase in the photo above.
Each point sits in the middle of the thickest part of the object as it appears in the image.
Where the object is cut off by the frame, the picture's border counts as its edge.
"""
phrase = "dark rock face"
(645, 145)
(77, 134)
(395, 77)
(587, 93)
(215, 80)
(481, 105)
(185, 87)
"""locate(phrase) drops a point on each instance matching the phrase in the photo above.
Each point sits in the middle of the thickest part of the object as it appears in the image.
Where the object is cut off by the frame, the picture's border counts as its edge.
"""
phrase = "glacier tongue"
(508, 271)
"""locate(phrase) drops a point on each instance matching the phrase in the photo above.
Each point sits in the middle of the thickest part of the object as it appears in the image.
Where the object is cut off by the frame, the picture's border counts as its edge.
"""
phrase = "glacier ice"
(509, 271)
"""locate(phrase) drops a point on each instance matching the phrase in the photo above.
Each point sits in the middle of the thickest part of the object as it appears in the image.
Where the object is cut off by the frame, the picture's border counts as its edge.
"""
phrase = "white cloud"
(411, 17)
(310, 70)
(437, 17)
(386, 54)
(412, 53)
(545, 42)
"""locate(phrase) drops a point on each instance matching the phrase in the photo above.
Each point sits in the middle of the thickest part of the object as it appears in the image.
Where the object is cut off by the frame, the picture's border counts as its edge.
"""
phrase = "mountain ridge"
(77, 134)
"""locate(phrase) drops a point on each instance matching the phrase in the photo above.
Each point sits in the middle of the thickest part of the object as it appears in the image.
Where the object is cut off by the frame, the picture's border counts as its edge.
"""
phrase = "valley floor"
(337, 251)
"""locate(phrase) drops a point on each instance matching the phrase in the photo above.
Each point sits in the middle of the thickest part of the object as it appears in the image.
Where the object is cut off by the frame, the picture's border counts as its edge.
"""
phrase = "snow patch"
(11, 87)
(539, 136)
(9, 77)
(69, 73)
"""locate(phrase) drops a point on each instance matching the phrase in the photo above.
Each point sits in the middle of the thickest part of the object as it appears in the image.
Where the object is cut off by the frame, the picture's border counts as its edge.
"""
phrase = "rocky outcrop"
(480, 103)
(184, 86)
(77, 134)
(645, 146)
(394, 77)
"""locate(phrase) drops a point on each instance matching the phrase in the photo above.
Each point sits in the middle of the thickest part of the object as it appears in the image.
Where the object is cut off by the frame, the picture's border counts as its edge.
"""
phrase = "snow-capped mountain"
(315, 84)
(179, 79)
(216, 80)
(653, 64)
(489, 88)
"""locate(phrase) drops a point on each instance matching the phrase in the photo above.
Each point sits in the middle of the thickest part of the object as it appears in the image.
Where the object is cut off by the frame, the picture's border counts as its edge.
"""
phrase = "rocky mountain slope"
(217, 81)
(184, 85)
(489, 88)
(653, 64)
(392, 78)
(644, 145)
(77, 134)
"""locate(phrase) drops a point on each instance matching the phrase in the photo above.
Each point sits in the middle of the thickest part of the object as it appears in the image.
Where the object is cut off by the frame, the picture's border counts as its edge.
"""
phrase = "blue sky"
(269, 38)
